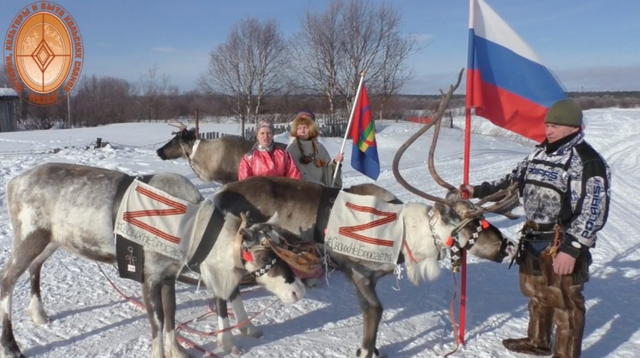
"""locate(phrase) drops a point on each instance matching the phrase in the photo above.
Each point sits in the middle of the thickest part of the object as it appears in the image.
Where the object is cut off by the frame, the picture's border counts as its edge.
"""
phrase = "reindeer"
(71, 206)
(212, 160)
(297, 203)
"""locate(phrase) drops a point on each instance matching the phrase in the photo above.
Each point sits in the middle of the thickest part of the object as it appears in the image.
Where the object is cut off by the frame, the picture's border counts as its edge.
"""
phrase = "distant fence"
(447, 119)
(215, 135)
(326, 130)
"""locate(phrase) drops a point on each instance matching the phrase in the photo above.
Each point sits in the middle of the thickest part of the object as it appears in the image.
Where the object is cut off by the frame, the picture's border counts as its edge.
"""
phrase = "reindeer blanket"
(156, 221)
(366, 228)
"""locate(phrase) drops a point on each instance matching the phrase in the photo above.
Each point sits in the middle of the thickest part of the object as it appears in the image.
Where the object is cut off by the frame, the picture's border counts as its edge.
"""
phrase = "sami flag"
(506, 82)
(364, 155)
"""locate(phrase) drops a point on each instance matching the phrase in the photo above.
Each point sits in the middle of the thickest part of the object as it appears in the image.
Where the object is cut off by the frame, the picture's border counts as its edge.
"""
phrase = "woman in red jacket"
(265, 159)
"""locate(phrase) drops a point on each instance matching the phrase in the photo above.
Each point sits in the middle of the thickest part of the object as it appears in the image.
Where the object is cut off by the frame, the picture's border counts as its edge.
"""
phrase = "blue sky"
(588, 44)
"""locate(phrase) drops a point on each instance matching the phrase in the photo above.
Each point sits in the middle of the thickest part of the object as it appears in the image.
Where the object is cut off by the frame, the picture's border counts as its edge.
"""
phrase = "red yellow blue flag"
(364, 156)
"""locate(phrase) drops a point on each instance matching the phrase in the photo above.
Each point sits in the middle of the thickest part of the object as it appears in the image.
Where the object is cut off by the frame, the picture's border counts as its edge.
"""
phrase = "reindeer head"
(258, 257)
(180, 145)
(466, 218)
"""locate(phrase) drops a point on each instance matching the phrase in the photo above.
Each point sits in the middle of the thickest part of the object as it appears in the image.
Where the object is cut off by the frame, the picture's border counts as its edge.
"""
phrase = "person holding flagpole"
(565, 187)
(564, 183)
(311, 157)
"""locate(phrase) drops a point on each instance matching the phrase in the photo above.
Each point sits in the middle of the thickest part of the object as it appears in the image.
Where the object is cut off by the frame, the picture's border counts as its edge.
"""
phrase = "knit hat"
(264, 123)
(565, 112)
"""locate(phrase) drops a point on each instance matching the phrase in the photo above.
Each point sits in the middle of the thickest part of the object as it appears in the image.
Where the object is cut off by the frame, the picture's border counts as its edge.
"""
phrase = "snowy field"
(90, 319)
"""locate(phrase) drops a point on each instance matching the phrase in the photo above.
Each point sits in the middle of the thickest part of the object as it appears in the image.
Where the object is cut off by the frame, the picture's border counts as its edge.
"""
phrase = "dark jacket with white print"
(569, 186)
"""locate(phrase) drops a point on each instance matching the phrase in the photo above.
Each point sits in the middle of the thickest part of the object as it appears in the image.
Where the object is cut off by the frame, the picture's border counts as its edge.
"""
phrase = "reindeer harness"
(190, 157)
(131, 253)
(302, 257)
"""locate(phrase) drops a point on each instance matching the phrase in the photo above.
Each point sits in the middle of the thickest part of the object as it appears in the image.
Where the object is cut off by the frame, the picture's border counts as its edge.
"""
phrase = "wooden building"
(9, 102)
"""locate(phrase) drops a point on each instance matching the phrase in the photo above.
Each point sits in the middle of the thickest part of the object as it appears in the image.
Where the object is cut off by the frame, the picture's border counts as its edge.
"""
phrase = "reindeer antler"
(446, 98)
(505, 198)
(181, 126)
(436, 134)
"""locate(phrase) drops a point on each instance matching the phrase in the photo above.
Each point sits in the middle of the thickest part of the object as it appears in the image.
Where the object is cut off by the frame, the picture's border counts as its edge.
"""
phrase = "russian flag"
(506, 82)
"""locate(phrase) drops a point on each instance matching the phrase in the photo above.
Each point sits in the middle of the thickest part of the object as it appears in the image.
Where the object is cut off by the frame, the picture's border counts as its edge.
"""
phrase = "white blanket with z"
(366, 228)
(156, 220)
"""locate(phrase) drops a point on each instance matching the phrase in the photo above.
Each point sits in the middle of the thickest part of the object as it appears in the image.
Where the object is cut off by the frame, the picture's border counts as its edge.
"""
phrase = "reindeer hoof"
(11, 353)
(176, 351)
(9, 348)
(41, 320)
(363, 353)
(236, 352)
(227, 344)
(250, 330)
(37, 312)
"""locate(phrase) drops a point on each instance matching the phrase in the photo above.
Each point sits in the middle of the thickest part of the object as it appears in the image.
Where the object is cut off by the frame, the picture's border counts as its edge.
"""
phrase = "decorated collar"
(262, 148)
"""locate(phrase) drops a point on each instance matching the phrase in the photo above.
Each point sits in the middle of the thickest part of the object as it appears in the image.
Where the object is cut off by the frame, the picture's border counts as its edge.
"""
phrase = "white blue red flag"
(506, 82)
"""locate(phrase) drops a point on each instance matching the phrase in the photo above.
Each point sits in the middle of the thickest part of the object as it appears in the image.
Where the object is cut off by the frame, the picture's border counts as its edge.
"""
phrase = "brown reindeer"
(212, 160)
(71, 206)
(297, 204)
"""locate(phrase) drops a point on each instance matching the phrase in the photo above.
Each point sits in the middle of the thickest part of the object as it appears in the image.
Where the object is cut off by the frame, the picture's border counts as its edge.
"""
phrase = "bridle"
(242, 255)
(189, 157)
(453, 242)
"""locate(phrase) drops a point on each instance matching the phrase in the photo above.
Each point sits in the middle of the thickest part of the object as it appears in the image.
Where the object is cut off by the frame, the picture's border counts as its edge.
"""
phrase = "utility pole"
(69, 109)
(197, 125)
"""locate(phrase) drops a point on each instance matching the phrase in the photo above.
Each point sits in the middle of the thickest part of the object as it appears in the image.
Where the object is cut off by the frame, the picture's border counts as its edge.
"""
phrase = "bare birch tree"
(101, 100)
(372, 43)
(251, 65)
(316, 51)
(4, 81)
(153, 87)
(394, 72)
(351, 36)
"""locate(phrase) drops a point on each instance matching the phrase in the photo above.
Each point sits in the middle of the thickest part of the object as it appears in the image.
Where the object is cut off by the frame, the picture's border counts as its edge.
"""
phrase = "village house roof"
(8, 92)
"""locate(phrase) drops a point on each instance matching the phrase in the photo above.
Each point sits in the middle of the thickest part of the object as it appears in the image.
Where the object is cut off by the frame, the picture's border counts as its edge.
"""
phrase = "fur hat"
(264, 123)
(306, 118)
(307, 114)
(565, 112)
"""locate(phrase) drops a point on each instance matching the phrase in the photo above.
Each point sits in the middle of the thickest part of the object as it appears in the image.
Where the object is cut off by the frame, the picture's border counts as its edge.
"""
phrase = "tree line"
(257, 72)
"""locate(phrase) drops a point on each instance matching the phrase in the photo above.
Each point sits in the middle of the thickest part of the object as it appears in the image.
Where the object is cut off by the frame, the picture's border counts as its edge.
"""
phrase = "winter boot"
(538, 340)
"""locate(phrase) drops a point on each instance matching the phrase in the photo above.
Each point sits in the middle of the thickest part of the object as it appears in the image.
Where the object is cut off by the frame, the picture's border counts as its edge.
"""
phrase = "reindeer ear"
(453, 195)
(274, 220)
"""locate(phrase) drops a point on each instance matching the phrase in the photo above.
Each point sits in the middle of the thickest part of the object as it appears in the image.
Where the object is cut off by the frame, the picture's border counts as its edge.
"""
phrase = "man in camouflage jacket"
(565, 187)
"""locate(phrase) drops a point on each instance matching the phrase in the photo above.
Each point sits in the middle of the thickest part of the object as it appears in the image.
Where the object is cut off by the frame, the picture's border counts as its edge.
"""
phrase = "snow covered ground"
(90, 319)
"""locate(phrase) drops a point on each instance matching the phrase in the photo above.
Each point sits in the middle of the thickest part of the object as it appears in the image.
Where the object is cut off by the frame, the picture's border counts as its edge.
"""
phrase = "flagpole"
(465, 175)
(346, 133)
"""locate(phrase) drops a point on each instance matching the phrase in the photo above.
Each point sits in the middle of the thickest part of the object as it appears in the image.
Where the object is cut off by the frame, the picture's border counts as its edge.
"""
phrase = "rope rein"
(184, 325)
